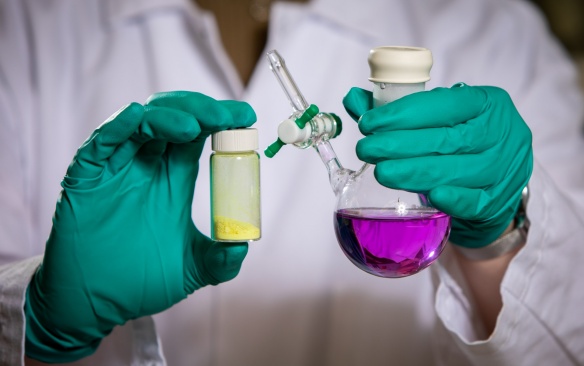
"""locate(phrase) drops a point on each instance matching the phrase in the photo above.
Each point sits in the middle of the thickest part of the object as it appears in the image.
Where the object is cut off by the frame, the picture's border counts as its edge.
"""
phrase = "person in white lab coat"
(65, 67)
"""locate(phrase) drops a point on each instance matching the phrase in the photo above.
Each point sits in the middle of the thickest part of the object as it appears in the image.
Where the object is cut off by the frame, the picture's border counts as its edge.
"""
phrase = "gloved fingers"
(422, 174)
(184, 155)
(146, 159)
(242, 113)
(212, 115)
(125, 152)
(116, 142)
(440, 107)
(183, 167)
(465, 138)
(167, 124)
(358, 101)
(152, 150)
(93, 155)
(162, 127)
(159, 126)
(474, 204)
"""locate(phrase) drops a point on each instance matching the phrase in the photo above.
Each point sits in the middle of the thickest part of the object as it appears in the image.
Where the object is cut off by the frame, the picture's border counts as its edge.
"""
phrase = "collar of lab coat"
(337, 12)
(120, 10)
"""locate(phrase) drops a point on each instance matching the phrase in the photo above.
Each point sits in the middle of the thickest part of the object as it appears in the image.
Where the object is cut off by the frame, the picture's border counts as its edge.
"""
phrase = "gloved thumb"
(213, 263)
(223, 260)
(357, 102)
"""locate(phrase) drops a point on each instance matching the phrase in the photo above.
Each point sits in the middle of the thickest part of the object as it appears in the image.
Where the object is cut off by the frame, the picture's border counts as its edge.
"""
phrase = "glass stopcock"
(384, 232)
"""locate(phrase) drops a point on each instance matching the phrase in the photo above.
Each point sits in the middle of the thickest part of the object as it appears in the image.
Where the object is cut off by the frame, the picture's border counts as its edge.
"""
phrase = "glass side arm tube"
(306, 126)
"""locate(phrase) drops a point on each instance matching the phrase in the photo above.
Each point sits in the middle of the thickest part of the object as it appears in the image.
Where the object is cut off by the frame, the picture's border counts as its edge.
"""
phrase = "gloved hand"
(123, 244)
(467, 148)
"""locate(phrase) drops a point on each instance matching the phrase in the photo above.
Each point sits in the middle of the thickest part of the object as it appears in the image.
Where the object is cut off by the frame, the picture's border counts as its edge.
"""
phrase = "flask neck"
(384, 93)
(338, 176)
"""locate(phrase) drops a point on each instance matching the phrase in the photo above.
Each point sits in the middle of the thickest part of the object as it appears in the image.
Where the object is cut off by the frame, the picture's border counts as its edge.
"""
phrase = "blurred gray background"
(566, 19)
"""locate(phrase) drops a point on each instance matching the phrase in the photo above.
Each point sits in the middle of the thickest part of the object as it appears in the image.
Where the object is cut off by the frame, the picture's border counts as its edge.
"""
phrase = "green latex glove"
(123, 244)
(467, 148)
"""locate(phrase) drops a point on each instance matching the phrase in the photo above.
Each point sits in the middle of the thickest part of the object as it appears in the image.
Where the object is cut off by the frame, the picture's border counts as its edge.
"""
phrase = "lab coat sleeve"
(16, 110)
(19, 241)
(541, 320)
(15, 219)
(14, 279)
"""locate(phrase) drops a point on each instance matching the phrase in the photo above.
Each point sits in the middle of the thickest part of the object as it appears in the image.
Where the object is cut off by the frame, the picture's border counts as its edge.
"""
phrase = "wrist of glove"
(123, 244)
(508, 241)
(466, 148)
(478, 234)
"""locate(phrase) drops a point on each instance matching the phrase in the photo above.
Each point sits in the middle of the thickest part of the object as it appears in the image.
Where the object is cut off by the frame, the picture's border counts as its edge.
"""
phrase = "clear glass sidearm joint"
(306, 126)
(377, 229)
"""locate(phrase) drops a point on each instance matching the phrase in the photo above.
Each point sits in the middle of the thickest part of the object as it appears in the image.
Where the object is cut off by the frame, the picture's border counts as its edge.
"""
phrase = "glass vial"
(235, 186)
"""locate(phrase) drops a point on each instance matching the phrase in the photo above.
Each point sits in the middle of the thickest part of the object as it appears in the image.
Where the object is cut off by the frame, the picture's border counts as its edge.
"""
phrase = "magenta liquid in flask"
(391, 245)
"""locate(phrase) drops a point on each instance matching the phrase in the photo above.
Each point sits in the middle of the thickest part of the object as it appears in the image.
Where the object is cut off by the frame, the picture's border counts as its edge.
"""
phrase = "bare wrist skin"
(484, 280)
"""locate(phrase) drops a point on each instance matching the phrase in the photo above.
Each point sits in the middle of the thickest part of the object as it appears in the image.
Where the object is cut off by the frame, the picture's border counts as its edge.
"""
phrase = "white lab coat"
(66, 66)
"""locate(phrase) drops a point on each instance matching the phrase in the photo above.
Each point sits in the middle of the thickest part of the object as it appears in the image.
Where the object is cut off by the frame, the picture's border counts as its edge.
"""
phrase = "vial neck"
(245, 152)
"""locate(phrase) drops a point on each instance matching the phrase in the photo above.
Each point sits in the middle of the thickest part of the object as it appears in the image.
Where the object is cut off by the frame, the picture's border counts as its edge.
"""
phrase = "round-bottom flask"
(385, 232)
(393, 240)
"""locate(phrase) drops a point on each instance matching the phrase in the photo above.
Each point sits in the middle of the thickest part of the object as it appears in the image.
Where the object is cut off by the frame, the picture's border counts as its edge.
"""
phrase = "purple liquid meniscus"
(387, 244)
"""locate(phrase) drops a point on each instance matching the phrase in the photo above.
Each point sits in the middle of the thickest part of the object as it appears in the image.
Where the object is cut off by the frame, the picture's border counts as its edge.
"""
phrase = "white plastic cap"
(244, 139)
(393, 64)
